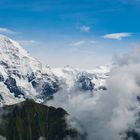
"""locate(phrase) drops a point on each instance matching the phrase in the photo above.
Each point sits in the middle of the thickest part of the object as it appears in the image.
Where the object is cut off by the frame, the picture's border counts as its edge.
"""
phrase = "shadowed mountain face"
(30, 121)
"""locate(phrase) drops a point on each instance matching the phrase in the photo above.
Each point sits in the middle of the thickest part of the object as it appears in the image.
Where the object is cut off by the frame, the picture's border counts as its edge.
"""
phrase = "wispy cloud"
(117, 36)
(6, 31)
(28, 42)
(83, 42)
(78, 43)
(85, 28)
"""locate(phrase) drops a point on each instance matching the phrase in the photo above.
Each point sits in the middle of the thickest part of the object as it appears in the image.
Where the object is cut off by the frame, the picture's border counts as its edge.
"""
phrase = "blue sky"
(80, 33)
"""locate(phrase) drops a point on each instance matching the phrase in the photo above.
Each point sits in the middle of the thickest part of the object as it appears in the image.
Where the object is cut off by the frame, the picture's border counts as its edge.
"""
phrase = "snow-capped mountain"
(83, 79)
(22, 76)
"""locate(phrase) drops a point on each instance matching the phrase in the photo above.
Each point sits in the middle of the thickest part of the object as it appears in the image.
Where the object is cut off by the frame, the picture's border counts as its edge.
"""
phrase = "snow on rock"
(22, 76)
(18, 72)
(84, 79)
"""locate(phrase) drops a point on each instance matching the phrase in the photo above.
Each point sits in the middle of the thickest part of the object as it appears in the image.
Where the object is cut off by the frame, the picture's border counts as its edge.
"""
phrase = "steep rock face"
(30, 121)
(12, 86)
(85, 83)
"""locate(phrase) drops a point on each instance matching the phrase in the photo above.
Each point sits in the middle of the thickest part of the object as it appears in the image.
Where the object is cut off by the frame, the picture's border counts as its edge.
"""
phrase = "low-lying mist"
(107, 115)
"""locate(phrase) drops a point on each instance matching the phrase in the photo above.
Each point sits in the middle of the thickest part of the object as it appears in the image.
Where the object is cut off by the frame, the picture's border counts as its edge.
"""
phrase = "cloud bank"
(108, 115)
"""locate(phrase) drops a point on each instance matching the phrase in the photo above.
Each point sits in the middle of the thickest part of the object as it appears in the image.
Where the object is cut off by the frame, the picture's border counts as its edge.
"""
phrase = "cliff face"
(30, 121)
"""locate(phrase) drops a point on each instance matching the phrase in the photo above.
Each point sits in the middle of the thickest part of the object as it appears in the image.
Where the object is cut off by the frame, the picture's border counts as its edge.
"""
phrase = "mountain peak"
(2, 37)
(15, 57)
(6, 40)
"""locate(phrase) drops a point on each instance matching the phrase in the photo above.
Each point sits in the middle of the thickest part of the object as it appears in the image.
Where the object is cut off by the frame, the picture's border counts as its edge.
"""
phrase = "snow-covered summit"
(22, 76)
(15, 58)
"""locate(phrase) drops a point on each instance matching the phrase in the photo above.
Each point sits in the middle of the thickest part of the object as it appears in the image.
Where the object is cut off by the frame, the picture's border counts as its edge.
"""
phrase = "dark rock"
(49, 89)
(85, 83)
(12, 86)
(4, 64)
(46, 89)
(1, 78)
(34, 84)
(132, 132)
(31, 77)
(1, 98)
(102, 88)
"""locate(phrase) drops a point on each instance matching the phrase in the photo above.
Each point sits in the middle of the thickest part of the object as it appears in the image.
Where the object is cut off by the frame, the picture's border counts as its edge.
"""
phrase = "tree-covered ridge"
(30, 121)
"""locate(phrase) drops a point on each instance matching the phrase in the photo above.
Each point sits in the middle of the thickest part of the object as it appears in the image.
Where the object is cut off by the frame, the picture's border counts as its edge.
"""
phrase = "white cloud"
(78, 43)
(117, 36)
(85, 28)
(83, 42)
(6, 31)
(28, 42)
(107, 115)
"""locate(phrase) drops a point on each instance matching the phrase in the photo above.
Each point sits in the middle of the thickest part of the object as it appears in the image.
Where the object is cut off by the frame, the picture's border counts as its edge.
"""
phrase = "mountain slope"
(22, 76)
(31, 121)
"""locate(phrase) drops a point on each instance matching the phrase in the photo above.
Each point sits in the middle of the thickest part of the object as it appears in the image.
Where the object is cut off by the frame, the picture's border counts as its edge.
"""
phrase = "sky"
(79, 33)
